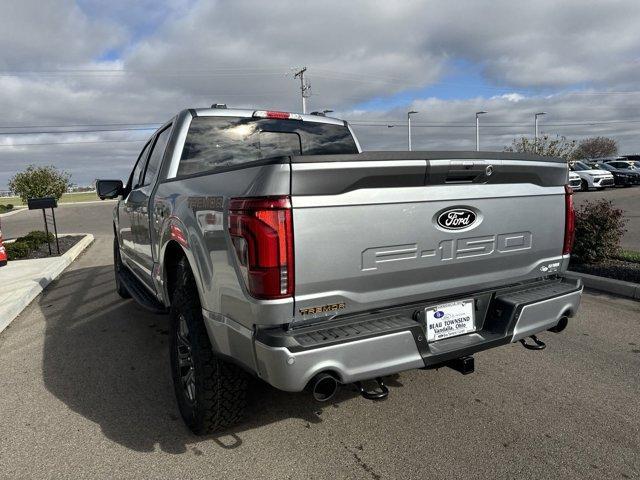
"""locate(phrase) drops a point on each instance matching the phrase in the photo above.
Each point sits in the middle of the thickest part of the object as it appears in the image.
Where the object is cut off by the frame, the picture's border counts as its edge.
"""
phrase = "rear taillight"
(261, 230)
(569, 220)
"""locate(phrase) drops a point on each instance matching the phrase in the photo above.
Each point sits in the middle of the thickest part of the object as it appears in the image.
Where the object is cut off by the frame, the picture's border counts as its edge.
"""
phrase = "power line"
(84, 125)
(78, 131)
(275, 71)
(373, 122)
(71, 143)
(385, 123)
(364, 123)
(280, 68)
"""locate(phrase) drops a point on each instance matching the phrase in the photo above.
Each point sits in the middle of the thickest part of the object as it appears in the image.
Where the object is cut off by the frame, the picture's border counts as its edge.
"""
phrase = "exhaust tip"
(323, 387)
(562, 324)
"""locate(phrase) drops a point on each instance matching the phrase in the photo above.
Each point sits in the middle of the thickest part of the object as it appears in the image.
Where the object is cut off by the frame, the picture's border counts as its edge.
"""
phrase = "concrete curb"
(608, 285)
(13, 212)
(48, 274)
(63, 204)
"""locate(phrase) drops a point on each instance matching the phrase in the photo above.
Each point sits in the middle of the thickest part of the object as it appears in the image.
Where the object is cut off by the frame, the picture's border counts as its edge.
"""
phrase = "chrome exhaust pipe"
(323, 387)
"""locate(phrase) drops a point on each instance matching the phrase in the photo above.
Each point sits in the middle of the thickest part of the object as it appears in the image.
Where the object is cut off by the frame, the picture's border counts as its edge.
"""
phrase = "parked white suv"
(575, 182)
(592, 178)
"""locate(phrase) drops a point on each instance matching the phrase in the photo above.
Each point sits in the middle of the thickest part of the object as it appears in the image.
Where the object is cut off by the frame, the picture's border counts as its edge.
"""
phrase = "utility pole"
(478, 129)
(535, 123)
(305, 88)
(409, 113)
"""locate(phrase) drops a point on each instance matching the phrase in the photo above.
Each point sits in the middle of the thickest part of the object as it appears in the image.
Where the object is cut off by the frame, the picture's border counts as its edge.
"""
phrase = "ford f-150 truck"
(282, 251)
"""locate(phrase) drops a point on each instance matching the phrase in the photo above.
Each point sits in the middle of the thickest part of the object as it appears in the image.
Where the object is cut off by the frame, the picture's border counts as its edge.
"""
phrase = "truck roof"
(238, 112)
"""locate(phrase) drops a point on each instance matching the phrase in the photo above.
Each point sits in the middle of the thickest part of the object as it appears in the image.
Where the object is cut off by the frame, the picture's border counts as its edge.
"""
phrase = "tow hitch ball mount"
(464, 365)
(377, 394)
(537, 343)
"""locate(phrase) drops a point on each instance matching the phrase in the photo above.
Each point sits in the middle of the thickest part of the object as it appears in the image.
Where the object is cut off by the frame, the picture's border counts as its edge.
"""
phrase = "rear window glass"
(220, 142)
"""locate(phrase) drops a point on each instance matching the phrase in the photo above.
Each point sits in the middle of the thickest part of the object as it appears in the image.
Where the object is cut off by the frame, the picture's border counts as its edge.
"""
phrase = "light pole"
(409, 113)
(482, 112)
(535, 122)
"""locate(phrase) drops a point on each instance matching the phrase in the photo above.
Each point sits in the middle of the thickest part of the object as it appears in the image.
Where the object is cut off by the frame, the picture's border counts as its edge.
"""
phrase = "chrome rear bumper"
(350, 362)
(368, 346)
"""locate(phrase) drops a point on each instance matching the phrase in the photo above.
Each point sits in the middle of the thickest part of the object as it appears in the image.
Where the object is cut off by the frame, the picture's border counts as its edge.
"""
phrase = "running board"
(139, 292)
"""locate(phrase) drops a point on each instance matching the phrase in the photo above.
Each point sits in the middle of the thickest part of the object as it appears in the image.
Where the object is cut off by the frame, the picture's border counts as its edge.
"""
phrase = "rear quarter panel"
(198, 205)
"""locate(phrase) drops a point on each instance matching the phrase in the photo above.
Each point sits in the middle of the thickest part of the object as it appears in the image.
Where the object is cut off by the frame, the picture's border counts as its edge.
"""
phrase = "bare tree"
(544, 145)
(597, 147)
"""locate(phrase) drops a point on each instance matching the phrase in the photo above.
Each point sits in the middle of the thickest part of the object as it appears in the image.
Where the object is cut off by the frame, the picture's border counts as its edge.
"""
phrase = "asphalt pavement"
(85, 392)
(96, 218)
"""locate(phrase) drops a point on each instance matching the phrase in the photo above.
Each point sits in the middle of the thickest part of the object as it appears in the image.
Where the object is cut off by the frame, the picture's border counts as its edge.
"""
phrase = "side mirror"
(109, 188)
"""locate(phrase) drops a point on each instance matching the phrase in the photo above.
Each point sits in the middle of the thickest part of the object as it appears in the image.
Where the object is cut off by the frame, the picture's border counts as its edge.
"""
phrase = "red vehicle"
(3, 251)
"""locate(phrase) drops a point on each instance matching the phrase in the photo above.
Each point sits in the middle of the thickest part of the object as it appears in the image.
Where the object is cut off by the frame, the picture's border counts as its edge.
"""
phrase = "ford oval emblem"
(456, 218)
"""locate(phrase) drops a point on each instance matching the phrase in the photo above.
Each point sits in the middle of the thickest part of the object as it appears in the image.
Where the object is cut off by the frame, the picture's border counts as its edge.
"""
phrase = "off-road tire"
(117, 266)
(220, 387)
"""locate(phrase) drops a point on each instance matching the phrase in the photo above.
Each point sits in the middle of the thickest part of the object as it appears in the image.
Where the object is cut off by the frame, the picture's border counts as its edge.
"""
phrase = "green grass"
(66, 198)
(628, 256)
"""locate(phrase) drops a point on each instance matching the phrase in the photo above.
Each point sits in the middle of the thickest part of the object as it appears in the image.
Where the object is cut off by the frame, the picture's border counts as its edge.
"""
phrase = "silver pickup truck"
(282, 251)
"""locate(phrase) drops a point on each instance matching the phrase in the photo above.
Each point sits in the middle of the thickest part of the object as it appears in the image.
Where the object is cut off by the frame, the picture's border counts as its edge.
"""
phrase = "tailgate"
(383, 229)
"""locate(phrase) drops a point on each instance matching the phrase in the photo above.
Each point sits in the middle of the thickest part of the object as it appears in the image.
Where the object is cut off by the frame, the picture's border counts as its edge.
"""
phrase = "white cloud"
(193, 53)
(512, 97)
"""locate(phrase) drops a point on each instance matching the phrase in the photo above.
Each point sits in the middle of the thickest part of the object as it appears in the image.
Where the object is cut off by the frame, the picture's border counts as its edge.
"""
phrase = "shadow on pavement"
(107, 359)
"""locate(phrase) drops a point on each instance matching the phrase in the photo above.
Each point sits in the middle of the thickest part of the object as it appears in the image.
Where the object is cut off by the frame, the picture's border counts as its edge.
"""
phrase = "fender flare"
(174, 231)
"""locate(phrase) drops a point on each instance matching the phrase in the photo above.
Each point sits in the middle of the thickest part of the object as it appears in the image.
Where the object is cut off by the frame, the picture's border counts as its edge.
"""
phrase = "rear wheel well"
(172, 256)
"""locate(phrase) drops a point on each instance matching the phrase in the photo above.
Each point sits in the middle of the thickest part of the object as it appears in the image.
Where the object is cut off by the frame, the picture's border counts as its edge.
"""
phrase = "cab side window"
(155, 159)
(136, 175)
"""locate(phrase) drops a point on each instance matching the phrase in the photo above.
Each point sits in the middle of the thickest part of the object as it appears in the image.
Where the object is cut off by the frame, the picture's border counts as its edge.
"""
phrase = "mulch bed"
(618, 269)
(43, 251)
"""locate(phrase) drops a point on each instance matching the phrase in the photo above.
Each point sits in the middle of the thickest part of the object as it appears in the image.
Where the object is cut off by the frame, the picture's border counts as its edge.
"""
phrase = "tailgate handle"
(464, 171)
(460, 178)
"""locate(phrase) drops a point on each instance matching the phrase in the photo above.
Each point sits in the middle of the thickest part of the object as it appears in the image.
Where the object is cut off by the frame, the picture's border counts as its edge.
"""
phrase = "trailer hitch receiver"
(464, 365)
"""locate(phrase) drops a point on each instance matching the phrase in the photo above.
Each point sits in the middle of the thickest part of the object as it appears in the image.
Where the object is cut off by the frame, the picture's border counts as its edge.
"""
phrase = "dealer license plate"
(449, 319)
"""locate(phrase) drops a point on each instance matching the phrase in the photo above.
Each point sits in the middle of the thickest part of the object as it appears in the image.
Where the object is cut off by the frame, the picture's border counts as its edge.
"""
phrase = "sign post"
(44, 203)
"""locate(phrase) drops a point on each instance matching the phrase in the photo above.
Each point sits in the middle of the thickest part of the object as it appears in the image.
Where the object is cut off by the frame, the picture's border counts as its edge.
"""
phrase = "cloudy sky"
(119, 68)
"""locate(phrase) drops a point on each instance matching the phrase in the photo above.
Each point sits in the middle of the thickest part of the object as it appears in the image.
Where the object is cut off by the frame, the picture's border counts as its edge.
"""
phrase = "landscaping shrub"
(35, 239)
(36, 182)
(599, 229)
(6, 208)
(17, 250)
(39, 237)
